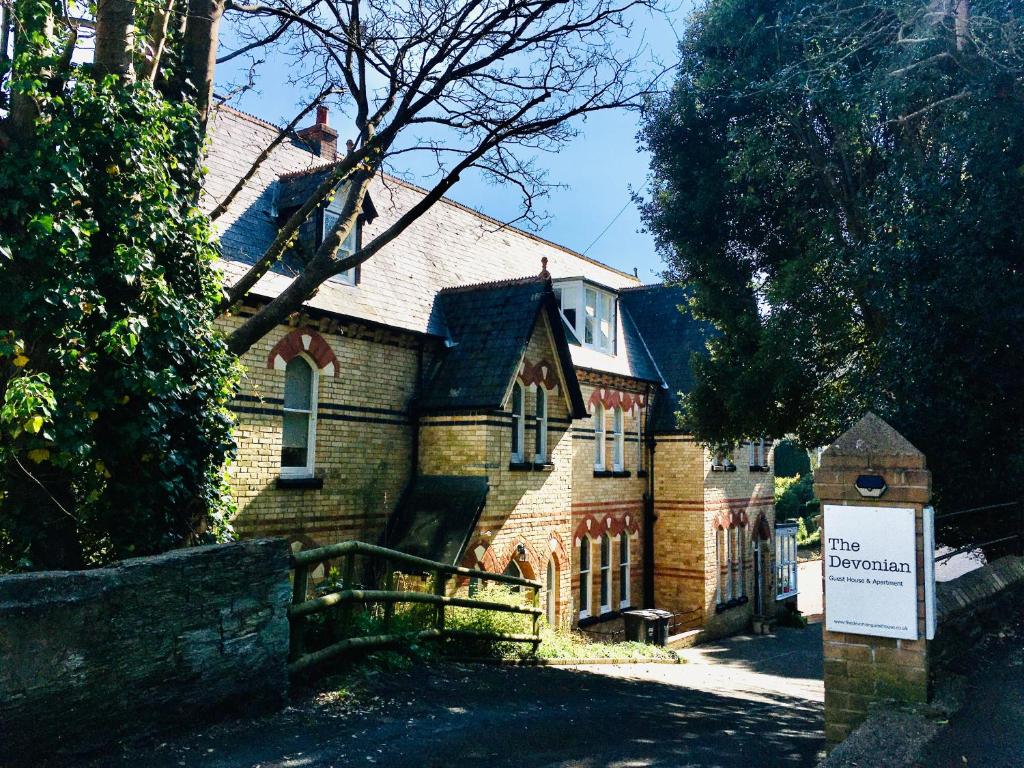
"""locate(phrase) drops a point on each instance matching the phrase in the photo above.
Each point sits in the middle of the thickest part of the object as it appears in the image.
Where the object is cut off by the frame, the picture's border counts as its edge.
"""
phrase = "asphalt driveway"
(744, 702)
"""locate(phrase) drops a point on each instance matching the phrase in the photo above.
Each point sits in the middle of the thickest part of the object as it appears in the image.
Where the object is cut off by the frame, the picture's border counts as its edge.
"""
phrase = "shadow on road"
(442, 716)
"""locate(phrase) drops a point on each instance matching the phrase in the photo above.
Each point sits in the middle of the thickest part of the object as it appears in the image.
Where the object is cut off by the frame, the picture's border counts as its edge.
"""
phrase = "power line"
(616, 218)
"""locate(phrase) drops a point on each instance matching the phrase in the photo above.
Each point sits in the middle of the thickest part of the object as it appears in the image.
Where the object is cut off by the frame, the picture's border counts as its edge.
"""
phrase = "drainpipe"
(649, 516)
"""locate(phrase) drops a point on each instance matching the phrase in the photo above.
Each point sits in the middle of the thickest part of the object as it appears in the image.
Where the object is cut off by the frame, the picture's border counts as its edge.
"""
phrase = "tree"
(838, 183)
(113, 380)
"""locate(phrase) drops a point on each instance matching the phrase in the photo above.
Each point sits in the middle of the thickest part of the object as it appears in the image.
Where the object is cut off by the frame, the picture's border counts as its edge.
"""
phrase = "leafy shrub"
(792, 495)
(476, 620)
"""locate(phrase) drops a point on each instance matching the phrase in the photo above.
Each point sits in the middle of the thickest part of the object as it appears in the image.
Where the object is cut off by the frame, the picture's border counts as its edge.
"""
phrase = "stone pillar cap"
(872, 437)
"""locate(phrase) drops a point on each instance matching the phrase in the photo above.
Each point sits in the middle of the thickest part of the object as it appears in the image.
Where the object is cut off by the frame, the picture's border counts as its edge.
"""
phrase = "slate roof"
(490, 326)
(297, 187)
(671, 336)
(451, 245)
(436, 516)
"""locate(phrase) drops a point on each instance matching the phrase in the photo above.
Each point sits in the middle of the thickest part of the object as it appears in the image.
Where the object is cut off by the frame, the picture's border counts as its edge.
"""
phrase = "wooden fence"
(301, 607)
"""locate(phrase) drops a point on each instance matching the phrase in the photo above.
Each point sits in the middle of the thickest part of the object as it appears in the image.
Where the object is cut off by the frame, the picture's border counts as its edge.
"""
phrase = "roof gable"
(671, 335)
(490, 326)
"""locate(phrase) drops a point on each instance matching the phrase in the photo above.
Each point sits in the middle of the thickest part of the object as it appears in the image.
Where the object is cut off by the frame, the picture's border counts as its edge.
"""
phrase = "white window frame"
(574, 294)
(351, 242)
(741, 546)
(786, 561)
(758, 453)
(599, 437)
(314, 386)
(518, 423)
(639, 440)
(541, 424)
(719, 562)
(618, 439)
(551, 589)
(586, 581)
(625, 569)
(606, 573)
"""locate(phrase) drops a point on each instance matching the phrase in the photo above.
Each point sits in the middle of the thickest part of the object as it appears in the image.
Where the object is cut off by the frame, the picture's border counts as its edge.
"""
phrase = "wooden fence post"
(296, 645)
(347, 578)
(389, 586)
(440, 581)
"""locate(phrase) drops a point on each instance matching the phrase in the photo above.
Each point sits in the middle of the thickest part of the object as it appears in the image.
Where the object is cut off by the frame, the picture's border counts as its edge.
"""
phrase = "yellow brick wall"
(531, 507)
(679, 531)
(733, 492)
(607, 504)
(363, 438)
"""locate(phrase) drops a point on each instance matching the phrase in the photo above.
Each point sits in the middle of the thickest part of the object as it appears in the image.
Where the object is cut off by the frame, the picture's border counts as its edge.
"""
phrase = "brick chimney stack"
(321, 138)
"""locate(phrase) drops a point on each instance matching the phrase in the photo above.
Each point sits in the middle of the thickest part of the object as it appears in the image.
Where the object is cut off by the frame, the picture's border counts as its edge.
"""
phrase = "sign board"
(870, 559)
(930, 606)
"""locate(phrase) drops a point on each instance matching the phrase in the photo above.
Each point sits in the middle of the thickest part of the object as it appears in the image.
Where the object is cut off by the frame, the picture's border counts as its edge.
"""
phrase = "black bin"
(649, 625)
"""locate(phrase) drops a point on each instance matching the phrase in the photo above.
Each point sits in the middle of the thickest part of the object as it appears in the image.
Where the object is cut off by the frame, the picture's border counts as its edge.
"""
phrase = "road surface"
(743, 702)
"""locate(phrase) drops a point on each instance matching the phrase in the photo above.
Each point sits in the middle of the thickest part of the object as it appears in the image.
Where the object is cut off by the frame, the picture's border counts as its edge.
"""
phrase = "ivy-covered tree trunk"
(115, 383)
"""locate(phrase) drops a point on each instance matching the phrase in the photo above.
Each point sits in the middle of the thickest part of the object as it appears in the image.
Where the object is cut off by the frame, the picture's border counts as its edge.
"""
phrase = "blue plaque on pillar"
(871, 486)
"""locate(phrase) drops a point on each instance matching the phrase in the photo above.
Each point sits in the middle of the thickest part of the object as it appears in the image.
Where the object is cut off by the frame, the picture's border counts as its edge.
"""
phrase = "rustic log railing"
(303, 561)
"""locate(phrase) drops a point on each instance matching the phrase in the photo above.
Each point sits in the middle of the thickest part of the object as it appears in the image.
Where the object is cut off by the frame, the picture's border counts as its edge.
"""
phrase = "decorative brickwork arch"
(613, 525)
(611, 398)
(542, 373)
(304, 340)
(731, 518)
(556, 547)
(531, 567)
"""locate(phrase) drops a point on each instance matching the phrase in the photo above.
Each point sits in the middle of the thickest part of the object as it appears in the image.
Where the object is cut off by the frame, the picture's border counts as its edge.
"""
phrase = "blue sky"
(598, 168)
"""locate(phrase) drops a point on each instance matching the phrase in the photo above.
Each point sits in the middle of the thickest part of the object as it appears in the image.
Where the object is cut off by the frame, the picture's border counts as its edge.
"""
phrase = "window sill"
(530, 466)
(612, 473)
(641, 473)
(601, 618)
(734, 603)
(759, 468)
(723, 468)
(300, 483)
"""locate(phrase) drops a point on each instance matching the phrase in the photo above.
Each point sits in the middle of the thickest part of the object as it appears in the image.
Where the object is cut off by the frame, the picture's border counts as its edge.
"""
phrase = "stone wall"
(88, 656)
(968, 607)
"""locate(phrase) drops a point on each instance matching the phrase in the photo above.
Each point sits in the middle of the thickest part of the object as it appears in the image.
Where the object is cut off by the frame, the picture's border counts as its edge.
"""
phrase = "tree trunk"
(29, 18)
(199, 52)
(115, 38)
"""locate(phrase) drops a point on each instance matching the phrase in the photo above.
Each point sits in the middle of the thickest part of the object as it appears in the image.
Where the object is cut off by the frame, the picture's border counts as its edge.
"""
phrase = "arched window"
(598, 437)
(541, 442)
(518, 451)
(618, 440)
(513, 569)
(551, 591)
(584, 577)
(623, 569)
(606, 573)
(298, 439)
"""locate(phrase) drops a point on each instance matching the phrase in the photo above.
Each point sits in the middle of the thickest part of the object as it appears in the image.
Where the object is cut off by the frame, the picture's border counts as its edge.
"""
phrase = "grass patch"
(556, 645)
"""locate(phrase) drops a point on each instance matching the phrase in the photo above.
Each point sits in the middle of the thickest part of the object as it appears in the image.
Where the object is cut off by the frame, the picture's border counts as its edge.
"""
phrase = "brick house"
(479, 395)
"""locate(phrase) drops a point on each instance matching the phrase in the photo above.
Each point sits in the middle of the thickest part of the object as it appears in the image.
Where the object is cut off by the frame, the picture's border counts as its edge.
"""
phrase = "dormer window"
(332, 214)
(590, 312)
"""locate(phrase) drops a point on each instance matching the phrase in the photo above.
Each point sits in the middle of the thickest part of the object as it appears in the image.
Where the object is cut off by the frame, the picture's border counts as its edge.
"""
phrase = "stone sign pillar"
(873, 486)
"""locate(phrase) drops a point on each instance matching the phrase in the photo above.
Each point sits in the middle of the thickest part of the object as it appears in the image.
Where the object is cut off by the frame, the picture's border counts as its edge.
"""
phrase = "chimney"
(321, 138)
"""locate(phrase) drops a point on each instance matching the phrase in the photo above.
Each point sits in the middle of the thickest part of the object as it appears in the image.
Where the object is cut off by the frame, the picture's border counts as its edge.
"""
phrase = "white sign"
(870, 559)
(929, 573)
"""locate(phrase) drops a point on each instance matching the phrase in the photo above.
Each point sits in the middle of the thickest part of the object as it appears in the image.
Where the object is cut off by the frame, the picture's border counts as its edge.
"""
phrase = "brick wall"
(88, 656)
(738, 497)
(607, 505)
(363, 436)
(691, 502)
